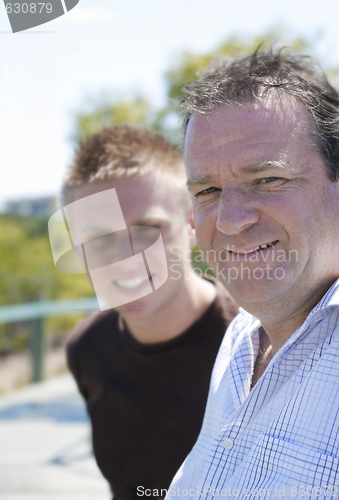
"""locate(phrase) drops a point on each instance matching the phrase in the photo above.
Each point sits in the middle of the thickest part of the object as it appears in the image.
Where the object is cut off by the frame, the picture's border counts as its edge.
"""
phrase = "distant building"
(32, 207)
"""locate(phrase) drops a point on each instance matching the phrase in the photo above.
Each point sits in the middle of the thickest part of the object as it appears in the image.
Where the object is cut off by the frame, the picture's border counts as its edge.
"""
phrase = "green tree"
(27, 273)
(27, 270)
(104, 110)
(188, 66)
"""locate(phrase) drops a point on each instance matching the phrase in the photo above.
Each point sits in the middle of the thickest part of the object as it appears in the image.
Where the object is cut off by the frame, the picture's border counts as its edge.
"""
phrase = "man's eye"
(208, 191)
(267, 180)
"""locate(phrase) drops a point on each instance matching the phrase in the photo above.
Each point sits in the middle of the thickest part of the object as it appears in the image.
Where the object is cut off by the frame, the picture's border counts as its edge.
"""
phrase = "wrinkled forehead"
(276, 117)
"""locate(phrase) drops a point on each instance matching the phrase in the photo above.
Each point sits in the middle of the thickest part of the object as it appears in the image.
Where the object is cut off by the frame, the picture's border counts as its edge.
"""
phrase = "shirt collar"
(331, 298)
(320, 310)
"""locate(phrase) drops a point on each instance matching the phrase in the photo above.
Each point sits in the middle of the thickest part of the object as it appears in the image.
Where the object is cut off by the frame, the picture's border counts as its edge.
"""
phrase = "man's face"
(145, 203)
(256, 180)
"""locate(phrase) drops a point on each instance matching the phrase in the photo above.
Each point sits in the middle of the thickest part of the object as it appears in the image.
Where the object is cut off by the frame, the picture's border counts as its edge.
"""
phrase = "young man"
(262, 158)
(143, 365)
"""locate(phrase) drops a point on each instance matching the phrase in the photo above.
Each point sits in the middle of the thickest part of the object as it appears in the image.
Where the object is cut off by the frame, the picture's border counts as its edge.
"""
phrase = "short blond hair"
(125, 151)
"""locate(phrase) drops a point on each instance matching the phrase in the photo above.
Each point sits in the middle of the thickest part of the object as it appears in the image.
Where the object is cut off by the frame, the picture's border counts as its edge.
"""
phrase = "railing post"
(37, 349)
(34, 312)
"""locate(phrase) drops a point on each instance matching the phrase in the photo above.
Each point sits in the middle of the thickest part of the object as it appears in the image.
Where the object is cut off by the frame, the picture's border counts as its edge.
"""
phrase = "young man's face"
(257, 180)
(145, 203)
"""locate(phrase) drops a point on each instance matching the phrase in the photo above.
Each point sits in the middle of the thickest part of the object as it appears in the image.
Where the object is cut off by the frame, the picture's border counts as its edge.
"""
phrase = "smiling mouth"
(132, 283)
(255, 249)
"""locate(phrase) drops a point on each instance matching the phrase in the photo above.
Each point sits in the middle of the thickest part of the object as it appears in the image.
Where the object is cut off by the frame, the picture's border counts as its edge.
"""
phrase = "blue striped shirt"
(280, 439)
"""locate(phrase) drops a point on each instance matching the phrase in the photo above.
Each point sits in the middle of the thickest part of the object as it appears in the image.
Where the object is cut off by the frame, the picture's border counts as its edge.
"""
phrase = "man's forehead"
(234, 133)
(232, 123)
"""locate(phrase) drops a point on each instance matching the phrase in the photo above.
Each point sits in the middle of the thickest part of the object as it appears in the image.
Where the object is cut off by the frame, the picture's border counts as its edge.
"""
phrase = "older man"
(261, 151)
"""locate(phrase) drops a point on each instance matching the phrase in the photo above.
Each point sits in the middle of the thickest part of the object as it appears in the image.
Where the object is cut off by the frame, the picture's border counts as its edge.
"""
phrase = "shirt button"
(227, 444)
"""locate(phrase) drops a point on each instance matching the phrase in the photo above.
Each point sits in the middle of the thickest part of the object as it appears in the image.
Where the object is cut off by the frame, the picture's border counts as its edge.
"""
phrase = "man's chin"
(247, 290)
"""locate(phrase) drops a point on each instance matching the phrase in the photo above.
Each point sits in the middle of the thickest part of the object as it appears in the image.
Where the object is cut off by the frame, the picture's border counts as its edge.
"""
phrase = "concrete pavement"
(45, 448)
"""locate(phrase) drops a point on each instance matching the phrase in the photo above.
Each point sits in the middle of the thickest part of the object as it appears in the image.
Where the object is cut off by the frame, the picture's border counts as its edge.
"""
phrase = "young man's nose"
(108, 249)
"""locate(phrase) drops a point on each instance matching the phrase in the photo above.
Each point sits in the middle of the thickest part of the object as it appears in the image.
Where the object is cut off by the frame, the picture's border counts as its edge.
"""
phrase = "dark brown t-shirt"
(146, 401)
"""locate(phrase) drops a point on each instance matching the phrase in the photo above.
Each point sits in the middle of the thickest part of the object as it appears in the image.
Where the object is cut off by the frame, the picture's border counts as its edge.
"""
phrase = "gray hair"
(252, 78)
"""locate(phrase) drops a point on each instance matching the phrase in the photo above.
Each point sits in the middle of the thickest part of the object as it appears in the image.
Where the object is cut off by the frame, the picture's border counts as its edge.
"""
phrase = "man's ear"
(191, 229)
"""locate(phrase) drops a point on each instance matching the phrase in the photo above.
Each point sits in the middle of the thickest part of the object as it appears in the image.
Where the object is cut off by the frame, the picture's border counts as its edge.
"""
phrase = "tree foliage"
(186, 67)
(190, 66)
(27, 270)
(104, 110)
(27, 273)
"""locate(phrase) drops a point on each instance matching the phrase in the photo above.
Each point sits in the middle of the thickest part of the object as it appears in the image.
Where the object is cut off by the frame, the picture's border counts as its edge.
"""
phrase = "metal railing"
(35, 312)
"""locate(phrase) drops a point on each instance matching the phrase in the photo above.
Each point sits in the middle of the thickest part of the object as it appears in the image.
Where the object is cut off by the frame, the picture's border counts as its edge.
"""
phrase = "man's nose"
(236, 212)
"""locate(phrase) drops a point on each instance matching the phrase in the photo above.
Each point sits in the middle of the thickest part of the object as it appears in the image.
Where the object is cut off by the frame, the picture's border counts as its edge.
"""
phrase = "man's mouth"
(132, 283)
(255, 249)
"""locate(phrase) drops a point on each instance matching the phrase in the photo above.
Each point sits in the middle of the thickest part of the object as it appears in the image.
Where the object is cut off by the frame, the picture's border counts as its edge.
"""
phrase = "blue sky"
(47, 72)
